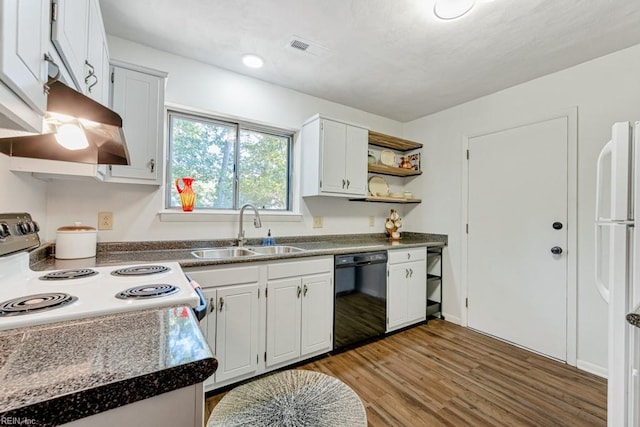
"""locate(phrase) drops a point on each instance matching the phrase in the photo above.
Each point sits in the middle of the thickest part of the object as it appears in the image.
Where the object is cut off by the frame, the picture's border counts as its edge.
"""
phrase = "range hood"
(99, 128)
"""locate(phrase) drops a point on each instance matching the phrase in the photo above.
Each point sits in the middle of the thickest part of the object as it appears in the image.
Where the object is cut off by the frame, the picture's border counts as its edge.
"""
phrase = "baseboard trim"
(451, 318)
(592, 368)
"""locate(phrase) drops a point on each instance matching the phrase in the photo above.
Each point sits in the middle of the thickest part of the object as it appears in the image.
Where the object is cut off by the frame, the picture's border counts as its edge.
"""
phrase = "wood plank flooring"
(441, 374)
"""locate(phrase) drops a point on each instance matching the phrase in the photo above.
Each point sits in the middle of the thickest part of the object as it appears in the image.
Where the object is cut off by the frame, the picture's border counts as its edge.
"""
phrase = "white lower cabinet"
(299, 310)
(263, 316)
(406, 287)
(297, 321)
(232, 324)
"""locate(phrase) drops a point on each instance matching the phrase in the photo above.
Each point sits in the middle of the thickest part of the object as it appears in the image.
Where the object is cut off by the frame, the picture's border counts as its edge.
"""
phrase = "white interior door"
(517, 190)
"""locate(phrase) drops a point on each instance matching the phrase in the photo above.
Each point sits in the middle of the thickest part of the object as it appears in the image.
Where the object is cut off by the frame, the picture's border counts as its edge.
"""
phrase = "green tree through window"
(232, 163)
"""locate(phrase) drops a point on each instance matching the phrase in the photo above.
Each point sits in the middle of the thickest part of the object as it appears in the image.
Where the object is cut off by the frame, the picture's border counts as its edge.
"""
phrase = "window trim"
(239, 125)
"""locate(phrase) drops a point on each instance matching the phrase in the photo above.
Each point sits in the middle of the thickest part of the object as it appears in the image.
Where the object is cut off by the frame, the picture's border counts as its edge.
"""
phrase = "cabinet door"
(417, 292)
(356, 165)
(69, 33)
(283, 320)
(139, 98)
(97, 85)
(333, 156)
(237, 331)
(208, 326)
(23, 33)
(397, 296)
(317, 314)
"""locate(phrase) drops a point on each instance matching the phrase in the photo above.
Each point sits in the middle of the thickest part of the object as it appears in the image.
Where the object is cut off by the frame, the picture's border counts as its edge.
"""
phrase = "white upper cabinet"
(70, 35)
(23, 70)
(334, 158)
(138, 96)
(77, 31)
(97, 65)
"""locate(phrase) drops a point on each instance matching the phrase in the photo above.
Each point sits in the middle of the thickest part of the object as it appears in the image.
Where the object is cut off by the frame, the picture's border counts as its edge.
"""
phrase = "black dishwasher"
(360, 309)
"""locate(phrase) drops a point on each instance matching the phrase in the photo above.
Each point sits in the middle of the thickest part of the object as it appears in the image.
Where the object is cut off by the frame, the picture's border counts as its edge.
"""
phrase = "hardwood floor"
(441, 374)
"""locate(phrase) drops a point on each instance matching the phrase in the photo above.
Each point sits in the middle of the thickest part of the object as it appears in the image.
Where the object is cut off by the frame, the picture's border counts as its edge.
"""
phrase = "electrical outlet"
(372, 221)
(317, 222)
(105, 220)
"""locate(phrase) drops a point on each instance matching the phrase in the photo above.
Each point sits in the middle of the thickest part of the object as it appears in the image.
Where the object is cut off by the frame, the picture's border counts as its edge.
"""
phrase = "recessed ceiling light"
(452, 9)
(252, 61)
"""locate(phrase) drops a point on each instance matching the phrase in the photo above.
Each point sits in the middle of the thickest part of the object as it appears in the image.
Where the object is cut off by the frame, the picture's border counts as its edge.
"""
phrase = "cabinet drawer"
(300, 268)
(225, 276)
(407, 255)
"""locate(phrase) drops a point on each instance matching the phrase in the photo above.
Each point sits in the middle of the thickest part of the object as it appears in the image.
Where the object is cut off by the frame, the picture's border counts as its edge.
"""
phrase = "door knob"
(556, 250)
(557, 225)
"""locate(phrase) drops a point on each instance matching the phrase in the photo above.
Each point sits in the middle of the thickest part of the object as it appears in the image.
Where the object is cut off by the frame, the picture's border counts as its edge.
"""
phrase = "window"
(232, 163)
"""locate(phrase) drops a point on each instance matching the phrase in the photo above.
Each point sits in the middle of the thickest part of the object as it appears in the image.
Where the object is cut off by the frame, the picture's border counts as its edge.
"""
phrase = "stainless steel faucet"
(256, 222)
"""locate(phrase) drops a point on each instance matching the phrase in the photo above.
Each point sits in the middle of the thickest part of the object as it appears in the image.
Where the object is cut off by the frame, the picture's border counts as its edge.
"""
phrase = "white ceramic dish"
(387, 157)
(76, 241)
(378, 185)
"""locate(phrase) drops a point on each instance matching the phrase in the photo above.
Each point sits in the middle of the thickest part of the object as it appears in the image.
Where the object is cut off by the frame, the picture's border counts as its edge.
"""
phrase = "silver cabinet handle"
(221, 303)
(406, 273)
(94, 83)
(92, 72)
(348, 183)
(152, 165)
(343, 183)
(408, 256)
(212, 303)
(305, 290)
(299, 291)
(411, 272)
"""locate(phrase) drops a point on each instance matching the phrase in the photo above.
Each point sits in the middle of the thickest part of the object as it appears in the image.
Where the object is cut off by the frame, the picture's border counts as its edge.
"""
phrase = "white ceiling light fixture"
(252, 61)
(452, 9)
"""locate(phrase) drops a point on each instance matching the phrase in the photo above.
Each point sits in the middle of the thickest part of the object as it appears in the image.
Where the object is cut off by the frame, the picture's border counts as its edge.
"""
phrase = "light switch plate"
(317, 222)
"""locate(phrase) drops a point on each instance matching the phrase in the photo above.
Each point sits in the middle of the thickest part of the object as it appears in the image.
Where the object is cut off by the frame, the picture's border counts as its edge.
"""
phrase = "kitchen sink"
(275, 250)
(223, 253)
(235, 252)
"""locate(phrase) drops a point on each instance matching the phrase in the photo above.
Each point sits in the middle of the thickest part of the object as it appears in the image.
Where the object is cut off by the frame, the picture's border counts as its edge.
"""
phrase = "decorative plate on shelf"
(378, 185)
(387, 157)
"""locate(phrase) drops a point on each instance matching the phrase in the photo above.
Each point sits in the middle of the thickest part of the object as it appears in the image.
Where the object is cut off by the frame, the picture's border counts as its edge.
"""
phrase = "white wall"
(204, 87)
(605, 90)
(22, 192)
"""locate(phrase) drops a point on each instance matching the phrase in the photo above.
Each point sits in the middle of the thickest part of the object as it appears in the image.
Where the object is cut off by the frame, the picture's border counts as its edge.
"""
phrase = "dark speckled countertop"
(56, 373)
(116, 253)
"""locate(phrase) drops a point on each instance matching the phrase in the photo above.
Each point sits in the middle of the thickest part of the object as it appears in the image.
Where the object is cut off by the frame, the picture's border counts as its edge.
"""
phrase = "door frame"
(571, 114)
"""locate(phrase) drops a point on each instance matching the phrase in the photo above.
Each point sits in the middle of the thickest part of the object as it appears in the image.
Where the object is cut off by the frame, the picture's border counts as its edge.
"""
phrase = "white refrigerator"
(617, 259)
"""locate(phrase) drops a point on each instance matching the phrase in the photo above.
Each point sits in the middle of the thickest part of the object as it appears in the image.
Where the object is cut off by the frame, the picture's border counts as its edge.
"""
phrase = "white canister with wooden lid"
(76, 241)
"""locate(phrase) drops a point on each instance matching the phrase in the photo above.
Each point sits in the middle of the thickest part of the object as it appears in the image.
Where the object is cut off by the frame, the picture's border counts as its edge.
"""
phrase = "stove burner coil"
(140, 270)
(69, 274)
(147, 291)
(35, 303)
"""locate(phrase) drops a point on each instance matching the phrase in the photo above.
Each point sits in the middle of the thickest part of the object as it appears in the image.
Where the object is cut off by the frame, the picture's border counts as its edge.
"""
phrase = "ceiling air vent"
(302, 45)
(299, 44)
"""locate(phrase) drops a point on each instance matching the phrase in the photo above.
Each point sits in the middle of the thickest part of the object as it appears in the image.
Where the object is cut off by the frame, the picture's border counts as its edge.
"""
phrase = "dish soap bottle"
(268, 241)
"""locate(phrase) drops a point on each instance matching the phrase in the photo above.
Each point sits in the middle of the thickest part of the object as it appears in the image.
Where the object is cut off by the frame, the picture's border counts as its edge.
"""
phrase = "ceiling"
(387, 57)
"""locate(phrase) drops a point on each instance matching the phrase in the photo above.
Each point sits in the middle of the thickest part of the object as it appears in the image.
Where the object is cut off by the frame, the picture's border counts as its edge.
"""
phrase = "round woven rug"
(290, 398)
